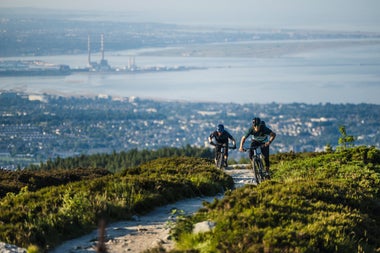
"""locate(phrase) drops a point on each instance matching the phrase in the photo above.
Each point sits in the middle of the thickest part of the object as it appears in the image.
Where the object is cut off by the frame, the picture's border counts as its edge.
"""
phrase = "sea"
(330, 75)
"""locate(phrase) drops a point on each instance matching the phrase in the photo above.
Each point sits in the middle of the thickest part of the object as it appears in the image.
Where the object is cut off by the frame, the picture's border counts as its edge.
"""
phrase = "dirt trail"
(143, 233)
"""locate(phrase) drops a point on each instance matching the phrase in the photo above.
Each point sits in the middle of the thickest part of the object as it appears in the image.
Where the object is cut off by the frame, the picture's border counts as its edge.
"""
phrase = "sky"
(352, 15)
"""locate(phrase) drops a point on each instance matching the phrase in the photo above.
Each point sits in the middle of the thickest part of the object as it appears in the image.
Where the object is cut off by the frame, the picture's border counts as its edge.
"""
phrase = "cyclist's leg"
(251, 151)
(265, 153)
(217, 150)
(226, 155)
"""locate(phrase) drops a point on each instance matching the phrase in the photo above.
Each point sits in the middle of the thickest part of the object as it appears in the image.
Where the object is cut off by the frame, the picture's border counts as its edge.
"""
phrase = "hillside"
(315, 202)
(52, 213)
(327, 202)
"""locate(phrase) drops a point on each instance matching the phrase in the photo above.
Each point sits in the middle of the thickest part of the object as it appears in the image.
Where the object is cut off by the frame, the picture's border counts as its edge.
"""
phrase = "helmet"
(220, 128)
(256, 121)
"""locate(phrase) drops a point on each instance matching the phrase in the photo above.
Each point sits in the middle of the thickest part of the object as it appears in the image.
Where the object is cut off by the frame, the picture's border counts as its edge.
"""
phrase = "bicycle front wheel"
(258, 170)
(219, 160)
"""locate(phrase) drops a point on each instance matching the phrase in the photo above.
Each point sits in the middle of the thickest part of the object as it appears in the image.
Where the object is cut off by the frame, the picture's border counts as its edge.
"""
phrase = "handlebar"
(245, 149)
(223, 145)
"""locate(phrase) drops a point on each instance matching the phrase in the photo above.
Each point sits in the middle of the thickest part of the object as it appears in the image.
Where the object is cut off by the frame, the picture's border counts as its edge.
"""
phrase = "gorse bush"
(14, 181)
(47, 216)
(327, 202)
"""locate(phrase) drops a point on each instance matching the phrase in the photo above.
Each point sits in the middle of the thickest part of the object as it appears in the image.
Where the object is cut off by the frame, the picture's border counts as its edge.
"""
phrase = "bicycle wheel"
(219, 160)
(258, 170)
(261, 169)
(254, 169)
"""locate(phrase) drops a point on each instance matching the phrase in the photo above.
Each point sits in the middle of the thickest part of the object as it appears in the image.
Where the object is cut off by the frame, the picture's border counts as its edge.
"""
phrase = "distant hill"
(126, 35)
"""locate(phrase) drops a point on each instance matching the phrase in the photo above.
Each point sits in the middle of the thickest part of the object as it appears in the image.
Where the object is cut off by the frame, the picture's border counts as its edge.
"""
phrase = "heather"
(46, 213)
(316, 202)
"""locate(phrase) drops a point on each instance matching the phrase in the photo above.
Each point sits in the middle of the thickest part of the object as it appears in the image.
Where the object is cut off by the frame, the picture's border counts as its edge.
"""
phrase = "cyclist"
(261, 136)
(221, 136)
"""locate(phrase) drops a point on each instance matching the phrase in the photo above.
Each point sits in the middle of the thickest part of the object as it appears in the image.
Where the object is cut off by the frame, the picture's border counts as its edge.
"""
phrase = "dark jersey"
(223, 138)
(259, 136)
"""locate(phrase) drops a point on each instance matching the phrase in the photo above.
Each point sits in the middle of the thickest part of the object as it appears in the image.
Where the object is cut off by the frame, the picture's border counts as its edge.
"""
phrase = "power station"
(37, 67)
(103, 64)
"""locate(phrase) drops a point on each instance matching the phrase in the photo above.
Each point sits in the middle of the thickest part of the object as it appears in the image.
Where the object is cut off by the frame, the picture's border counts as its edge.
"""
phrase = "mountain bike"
(257, 163)
(219, 158)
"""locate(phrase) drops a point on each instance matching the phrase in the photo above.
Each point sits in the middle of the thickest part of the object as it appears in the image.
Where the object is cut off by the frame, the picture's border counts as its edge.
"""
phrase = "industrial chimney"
(102, 45)
(89, 50)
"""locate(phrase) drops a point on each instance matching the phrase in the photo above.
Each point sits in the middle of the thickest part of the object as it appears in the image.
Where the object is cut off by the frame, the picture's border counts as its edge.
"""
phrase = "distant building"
(103, 64)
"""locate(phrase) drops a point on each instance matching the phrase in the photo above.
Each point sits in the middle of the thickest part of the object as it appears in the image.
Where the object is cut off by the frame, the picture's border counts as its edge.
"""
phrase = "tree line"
(116, 161)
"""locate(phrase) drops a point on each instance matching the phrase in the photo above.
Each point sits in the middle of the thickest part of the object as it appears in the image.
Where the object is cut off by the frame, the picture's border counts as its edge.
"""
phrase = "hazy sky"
(361, 15)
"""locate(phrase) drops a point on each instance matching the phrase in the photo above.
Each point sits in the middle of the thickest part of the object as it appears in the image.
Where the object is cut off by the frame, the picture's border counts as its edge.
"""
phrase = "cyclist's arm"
(242, 143)
(232, 139)
(210, 137)
(245, 136)
(271, 138)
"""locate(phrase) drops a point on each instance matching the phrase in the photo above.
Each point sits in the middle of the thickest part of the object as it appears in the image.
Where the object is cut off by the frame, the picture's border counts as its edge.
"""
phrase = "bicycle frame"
(257, 163)
(220, 154)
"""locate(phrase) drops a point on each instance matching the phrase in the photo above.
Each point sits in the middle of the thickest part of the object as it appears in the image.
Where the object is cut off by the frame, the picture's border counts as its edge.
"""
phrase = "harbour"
(33, 67)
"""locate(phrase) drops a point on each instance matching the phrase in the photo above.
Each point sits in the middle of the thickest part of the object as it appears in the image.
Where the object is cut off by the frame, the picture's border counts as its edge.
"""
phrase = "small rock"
(203, 227)
(9, 248)
(142, 229)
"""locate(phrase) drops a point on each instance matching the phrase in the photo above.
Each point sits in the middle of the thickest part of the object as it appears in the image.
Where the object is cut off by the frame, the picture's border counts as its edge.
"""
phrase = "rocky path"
(147, 231)
(142, 233)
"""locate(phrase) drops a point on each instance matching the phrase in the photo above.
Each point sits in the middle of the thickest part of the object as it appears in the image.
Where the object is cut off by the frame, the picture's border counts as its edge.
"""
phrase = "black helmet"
(220, 128)
(256, 121)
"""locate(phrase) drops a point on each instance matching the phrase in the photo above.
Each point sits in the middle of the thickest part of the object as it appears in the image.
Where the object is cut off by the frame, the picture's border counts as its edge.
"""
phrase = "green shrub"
(33, 249)
(326, 202)
(14, 181)
(52, 214)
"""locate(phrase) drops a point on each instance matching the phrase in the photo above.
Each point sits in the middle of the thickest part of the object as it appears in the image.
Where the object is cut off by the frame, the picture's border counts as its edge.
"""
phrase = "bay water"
(343, 75)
